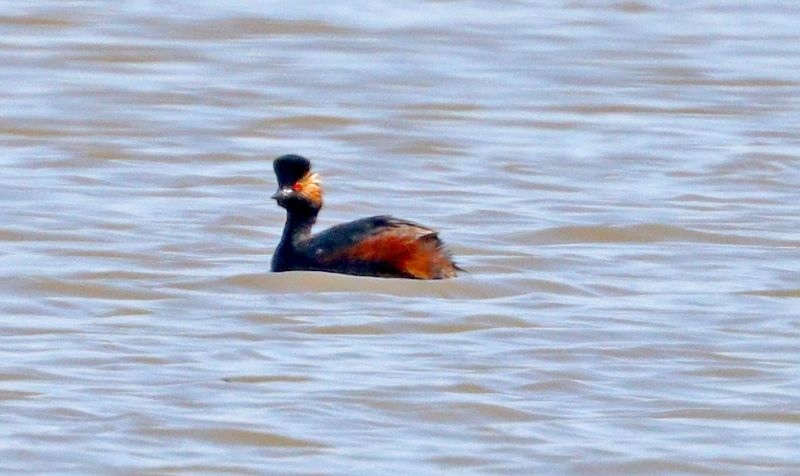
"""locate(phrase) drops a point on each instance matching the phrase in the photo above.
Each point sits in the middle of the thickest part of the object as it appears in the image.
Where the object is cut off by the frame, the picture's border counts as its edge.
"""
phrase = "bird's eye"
(297, 187)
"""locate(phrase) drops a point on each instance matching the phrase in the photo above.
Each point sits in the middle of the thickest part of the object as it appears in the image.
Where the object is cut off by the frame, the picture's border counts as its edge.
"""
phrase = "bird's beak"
(281, 193)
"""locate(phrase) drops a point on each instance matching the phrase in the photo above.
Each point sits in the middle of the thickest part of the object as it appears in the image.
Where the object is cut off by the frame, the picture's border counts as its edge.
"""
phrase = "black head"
(290, 168)
(299, 190)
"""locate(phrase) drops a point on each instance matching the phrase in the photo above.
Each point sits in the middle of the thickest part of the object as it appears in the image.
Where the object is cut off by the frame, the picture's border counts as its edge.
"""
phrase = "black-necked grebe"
(376, 246)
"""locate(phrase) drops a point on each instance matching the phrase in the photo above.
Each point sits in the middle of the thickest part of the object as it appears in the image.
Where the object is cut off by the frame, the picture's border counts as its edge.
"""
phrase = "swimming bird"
(381, 246)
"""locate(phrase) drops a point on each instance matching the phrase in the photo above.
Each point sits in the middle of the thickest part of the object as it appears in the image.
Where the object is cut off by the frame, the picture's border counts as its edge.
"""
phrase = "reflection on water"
(618, 177)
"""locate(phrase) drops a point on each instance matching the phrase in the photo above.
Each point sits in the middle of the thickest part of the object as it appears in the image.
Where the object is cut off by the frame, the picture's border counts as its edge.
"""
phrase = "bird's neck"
(297, 228)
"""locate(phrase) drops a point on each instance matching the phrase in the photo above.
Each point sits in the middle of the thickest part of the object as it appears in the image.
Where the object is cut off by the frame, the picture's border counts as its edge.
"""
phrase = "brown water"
(620, 178)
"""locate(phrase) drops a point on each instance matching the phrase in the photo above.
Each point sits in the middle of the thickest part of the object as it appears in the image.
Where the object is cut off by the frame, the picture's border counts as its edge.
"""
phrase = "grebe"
(380, 246)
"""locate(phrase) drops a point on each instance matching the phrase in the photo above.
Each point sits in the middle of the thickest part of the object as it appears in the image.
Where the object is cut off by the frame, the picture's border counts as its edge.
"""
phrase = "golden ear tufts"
(312, 187)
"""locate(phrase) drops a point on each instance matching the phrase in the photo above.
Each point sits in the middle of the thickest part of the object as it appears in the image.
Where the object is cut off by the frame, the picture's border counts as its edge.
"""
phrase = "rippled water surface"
(620, 178)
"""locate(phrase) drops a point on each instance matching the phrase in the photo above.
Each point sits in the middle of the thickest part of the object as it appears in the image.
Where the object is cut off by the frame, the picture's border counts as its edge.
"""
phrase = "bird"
(378, 246)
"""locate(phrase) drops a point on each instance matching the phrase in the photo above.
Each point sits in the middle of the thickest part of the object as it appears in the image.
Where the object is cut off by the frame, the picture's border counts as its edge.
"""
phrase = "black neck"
(297, 228)
(298, 224)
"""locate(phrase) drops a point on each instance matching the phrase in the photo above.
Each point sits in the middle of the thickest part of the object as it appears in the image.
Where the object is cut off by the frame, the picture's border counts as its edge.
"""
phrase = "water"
(619, 178)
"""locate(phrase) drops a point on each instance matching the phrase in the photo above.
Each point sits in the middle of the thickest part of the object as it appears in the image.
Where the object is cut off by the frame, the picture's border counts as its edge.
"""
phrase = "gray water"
(619, 178)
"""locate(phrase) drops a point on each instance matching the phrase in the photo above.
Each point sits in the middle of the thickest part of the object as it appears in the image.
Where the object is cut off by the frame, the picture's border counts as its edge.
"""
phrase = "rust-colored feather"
(409, 249)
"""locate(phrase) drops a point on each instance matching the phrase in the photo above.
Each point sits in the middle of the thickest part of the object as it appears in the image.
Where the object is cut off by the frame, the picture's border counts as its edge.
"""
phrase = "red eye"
(297, 187)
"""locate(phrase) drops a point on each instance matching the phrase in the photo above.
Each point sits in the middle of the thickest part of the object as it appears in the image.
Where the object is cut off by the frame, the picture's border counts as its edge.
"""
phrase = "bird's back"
(380, 246)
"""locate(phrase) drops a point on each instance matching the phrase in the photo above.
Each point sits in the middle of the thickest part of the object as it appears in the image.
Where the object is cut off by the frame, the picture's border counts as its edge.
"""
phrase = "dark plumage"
(377, 246)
